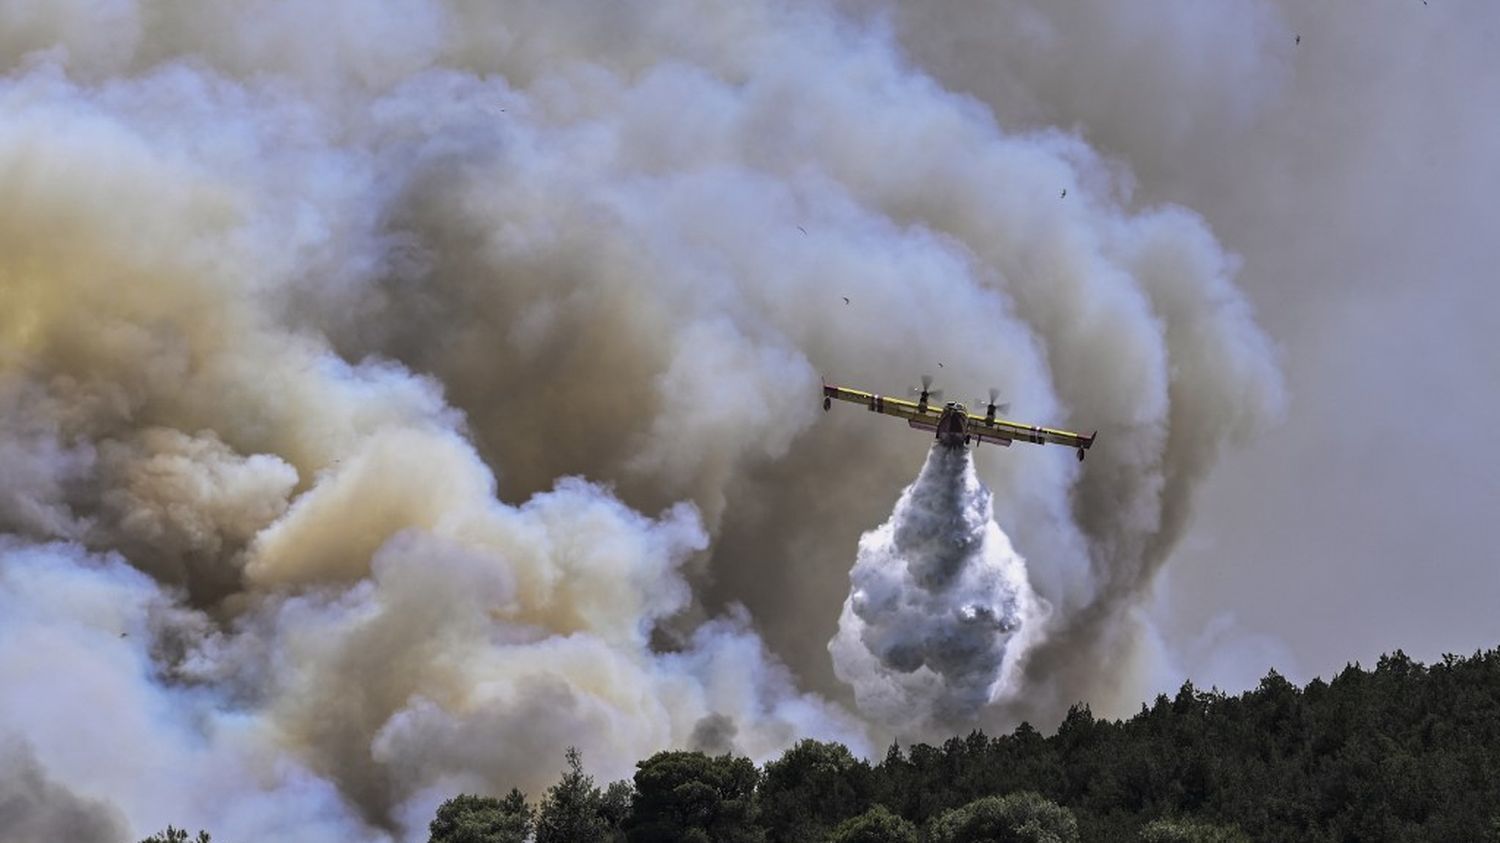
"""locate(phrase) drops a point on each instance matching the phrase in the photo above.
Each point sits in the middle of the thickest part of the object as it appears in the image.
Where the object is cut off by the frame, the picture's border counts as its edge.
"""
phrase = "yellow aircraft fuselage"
(953, 425)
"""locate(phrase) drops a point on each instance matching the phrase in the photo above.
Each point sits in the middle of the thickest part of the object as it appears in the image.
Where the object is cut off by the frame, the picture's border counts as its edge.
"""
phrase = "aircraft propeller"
(991, 408)
(926, 390)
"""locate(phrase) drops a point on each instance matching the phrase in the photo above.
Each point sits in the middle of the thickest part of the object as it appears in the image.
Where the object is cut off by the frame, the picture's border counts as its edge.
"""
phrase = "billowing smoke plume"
(394, 395)
(1336, 147)
(34, 809)
(939, 609)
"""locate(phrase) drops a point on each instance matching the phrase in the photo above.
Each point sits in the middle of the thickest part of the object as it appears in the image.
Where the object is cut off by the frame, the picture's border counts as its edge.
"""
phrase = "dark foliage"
(689, 796)
(1400, 752)
(1023, 817)
(812, 787)
(575, 811)
(177, 835)
(482, 819)
(877, 825)
(1190, 831)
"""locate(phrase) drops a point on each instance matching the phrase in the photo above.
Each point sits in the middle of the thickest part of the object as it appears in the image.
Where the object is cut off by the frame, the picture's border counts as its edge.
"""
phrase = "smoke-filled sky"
(396, 394)
(1353, 174)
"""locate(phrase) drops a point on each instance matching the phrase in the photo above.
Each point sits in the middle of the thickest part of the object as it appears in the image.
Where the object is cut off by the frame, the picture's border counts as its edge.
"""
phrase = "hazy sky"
(1354, 174)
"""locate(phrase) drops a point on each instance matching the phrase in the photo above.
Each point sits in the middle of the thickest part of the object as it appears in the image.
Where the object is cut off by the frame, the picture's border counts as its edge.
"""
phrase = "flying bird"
(1064, 194)
(846, 299)
(801, 229)
(1299, 37)
(940, 365)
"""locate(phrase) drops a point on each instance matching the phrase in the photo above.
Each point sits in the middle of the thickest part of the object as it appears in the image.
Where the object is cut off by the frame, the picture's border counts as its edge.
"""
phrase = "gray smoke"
(36, 809)
(1338, 150)
(395, 395)
(940, 611)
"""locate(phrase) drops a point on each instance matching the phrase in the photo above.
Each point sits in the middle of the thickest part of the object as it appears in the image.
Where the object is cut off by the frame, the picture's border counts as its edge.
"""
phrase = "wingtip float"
(952, 424)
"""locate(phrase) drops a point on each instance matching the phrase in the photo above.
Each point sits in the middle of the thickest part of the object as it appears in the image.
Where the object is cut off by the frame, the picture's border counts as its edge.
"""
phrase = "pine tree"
(570, 812)
(177, 835)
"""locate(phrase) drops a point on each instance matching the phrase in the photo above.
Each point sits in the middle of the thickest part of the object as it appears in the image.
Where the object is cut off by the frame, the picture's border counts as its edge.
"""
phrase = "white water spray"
(940, 611)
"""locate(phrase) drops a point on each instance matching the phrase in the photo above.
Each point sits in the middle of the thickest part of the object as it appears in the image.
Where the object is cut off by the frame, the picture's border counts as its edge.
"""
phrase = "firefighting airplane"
(953, 424)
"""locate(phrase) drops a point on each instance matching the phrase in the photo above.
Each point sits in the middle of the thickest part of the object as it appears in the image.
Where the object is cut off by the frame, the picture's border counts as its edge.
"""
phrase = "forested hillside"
(1400, 752)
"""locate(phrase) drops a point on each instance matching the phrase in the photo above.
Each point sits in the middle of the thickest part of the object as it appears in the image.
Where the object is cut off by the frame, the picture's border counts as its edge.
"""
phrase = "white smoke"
(940, 610)
(346, 351)
(82, 647)
(36, 809)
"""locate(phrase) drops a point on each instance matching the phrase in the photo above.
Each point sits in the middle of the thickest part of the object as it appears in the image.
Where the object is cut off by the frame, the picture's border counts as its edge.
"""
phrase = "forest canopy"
(1403, 751)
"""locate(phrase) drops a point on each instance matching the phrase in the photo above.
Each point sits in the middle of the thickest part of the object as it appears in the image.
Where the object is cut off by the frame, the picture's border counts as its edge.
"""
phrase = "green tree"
(876, 825)
(811, 788)
(690, 797)
(571, 810)
(482, 819)
(1024, 817)
(1169, 830)
(177, 835)
(615, 806)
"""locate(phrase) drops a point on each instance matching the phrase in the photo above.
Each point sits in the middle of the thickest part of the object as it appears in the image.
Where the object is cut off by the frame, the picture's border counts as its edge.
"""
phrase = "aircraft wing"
(917, 415)
(1003, 432)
